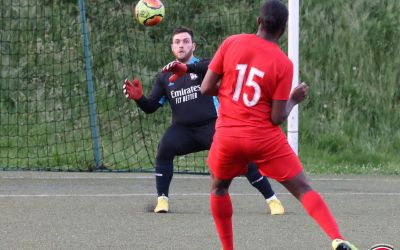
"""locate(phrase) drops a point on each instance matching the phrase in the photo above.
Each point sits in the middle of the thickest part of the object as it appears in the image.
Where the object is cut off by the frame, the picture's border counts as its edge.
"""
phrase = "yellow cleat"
(276, 207)
(162, 205)
(338, 244)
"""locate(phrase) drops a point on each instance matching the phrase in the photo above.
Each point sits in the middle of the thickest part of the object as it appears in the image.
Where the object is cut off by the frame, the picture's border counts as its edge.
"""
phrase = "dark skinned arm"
(281, 109)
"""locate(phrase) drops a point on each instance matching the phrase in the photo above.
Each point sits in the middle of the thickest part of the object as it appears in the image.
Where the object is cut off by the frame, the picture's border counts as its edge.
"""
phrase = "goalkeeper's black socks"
(164, 172)
(258, 181)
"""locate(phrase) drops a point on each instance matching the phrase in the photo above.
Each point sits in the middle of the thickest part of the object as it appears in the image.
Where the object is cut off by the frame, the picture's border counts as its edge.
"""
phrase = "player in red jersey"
(254, 93)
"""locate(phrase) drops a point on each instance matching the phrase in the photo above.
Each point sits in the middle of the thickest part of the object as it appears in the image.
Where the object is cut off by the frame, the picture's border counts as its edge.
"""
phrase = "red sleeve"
(284, 82)
(217, 63)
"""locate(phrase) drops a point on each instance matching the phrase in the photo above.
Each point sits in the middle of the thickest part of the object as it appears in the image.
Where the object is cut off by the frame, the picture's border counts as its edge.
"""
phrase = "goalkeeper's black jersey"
(189, 106)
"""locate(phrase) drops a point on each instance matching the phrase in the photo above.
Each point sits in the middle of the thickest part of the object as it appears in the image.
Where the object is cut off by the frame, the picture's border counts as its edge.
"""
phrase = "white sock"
(273, 197)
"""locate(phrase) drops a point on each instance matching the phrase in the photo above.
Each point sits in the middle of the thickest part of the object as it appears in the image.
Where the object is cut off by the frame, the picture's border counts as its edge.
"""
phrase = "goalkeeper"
(193, 117)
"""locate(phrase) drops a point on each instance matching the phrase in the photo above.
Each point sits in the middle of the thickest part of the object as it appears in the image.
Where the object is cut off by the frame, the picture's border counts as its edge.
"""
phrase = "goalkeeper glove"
(177, 69)
(133, 90)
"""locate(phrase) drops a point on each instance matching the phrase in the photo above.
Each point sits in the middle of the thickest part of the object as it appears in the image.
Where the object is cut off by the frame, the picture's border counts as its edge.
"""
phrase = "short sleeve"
(217, 63)
(284, 82)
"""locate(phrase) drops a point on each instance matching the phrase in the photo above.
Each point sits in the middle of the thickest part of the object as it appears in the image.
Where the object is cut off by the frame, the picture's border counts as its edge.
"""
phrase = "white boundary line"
(95, 177)
(179, 194)
(175, 177)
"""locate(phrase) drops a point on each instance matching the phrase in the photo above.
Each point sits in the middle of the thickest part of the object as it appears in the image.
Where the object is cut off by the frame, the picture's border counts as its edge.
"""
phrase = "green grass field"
(349, 55)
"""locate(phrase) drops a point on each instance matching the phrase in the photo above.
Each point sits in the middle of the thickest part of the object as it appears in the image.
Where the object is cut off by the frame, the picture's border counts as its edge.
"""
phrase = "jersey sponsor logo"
(186, 98)
(184, 95)
(382, 247)
(186, 91)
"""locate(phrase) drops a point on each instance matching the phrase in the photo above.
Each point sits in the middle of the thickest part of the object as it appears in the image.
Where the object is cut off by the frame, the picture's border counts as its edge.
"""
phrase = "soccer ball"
(149, 12)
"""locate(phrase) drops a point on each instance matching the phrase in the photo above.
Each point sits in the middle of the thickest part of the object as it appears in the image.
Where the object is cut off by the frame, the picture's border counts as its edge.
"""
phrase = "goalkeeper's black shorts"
(182, 140)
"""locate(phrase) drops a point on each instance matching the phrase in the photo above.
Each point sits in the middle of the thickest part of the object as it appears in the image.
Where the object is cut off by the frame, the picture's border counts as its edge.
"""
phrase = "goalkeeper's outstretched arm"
(134, 91)
(178, 69)
(199, 68)
(147, 105)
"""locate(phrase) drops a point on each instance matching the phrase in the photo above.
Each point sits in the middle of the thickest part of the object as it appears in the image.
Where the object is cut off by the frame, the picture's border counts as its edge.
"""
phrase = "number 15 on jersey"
(254, 72)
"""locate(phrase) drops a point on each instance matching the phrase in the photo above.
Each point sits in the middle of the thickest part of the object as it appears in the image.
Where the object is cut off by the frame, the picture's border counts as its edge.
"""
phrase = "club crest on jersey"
(170, 84)
(193, 76)
(382, 247)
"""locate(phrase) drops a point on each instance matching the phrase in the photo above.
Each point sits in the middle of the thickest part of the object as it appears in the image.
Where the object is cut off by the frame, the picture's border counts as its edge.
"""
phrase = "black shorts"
(182, 140)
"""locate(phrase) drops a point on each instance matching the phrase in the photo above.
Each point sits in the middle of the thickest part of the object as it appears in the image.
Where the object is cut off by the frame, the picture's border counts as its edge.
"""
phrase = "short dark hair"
(182, 29)
(274, 15)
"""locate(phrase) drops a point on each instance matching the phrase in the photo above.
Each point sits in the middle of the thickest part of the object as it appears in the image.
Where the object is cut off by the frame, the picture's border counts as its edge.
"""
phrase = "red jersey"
(254, 72)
